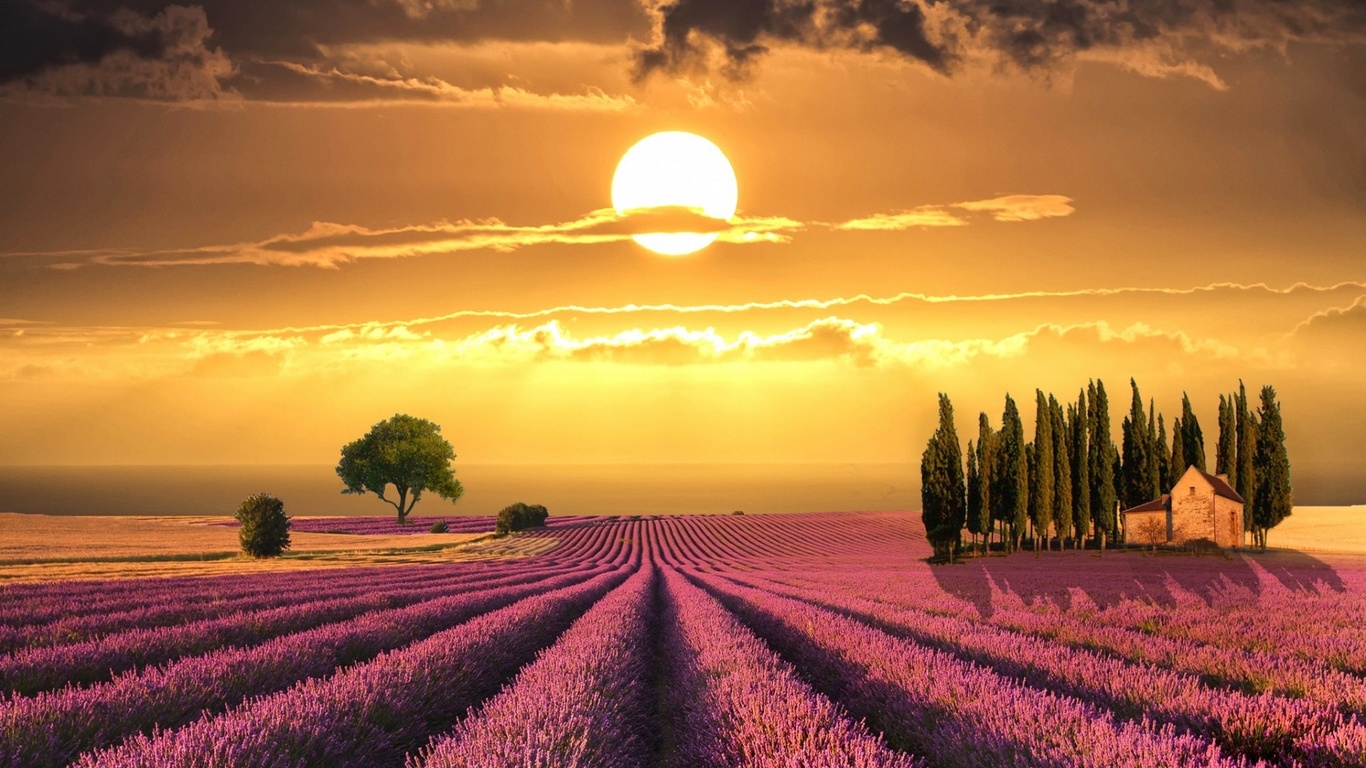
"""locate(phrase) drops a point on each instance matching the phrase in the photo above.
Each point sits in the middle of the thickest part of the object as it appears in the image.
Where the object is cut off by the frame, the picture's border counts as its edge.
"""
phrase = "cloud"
(331, 244)
(49, 51)
(347, 88)
(1334, 322)
(1144, 36)
(916, 218)
(1021, 207)
(1007, 208)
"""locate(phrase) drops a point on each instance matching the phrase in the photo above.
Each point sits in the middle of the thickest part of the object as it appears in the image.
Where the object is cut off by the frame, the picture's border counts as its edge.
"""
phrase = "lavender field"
(783, 640)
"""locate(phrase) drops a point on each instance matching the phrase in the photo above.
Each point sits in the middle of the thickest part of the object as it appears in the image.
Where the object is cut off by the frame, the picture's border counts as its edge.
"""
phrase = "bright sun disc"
(675, 169)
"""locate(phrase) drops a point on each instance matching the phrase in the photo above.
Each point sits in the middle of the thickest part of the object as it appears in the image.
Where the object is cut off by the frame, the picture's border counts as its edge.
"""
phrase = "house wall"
(1229, 513)
(1137, 525)
(1193, 510)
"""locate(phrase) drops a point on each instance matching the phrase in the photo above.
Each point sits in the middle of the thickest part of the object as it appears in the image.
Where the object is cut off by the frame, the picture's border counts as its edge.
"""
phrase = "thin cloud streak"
(435, 90)
(388, 329)
(329, 245)
(1006, 208)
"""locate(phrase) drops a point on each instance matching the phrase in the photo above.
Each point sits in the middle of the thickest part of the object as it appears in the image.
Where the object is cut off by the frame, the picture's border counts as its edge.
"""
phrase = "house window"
(1192, 490)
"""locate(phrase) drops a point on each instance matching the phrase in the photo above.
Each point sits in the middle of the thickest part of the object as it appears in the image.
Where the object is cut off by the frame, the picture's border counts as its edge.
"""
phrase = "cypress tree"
(1191, 436)
(1247, 452)
(1031, 469)
(1010, 489)
(1115, 518)
(974, 495)
(942, 486)
(986, 439)
(1062, 472)
(1154, 463)
(1081, 471)
(1164, 459)
(1226, 458)
(1274, 497)
(1136, 465)
(1041, 481)
(1178, 460)
(1102, 455)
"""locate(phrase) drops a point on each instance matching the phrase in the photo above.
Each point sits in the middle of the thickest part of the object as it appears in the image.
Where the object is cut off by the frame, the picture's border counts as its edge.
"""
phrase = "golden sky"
(243, 231)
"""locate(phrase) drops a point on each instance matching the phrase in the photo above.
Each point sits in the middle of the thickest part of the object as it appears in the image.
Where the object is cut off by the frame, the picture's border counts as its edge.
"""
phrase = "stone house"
(1200, 506)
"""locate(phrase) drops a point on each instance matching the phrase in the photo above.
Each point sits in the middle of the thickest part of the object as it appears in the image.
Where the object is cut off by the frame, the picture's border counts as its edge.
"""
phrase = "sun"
(675, 169)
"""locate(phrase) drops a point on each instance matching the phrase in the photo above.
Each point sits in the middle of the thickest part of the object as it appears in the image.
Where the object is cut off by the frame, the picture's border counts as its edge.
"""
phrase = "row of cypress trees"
(1071, 480)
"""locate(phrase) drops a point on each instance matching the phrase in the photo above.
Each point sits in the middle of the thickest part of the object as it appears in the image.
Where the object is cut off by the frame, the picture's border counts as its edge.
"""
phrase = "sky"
(243, 231)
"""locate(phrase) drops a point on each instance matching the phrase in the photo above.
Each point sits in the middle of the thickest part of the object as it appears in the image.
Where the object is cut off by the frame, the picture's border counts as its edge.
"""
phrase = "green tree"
(986, 440)
(1226, 458)
(1192, 438)
(406, 452)
(1010, 476)
(519, 517)
(974, 487)
(1274, 498)
(1115, 519)
(942, 486)
(1246, 484)
(1164, 458)
(1041, 483)
(1081, 470)
(1155, 449)
(1136, 461)
(1103, 457)
(1062, 472)
(1178, 460)
(265, 526)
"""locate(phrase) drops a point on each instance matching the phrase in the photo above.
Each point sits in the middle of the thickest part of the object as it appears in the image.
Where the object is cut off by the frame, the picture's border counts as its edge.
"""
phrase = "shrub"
(519, 516)
(440, 526)
(738, 512)
(265, 527)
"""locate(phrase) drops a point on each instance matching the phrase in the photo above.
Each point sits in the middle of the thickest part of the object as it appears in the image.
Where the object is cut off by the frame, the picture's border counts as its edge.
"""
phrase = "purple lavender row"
(734, 703)
(585, 702)
(933, 703)
(372, 715)
(1317, 627)
(51, 729)
(65, 599)
(40, 669)
(1274, 728)
(1293, 625)
(1267, 669)
(175, 610)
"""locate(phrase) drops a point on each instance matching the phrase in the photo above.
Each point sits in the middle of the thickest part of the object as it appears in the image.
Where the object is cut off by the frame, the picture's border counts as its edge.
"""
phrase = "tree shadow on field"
(1164, 579)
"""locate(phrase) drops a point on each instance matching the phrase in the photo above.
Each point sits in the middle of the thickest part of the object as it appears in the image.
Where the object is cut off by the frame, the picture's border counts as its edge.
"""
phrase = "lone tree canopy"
(265, 526)
(519, 517)
(406, 452)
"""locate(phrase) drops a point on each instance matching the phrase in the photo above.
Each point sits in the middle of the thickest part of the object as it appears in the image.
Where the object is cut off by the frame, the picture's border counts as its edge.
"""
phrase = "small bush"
(440, 526)
(519, 517)
(738, 512)
(265, 527)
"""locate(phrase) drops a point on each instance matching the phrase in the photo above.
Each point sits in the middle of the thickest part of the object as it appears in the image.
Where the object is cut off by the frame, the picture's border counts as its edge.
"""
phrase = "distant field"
(40, 547)
(1322, 529)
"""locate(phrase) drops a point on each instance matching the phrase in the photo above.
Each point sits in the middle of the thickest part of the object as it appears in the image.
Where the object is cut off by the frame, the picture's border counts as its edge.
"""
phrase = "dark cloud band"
(1025, 34)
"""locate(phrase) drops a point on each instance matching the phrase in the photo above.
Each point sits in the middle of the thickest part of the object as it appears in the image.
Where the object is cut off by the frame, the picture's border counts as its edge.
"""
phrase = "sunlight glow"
(675, 169)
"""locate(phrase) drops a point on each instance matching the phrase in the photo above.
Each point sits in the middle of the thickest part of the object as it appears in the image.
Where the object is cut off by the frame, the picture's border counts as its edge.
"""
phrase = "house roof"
(1221, 486)
(1156, 505)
